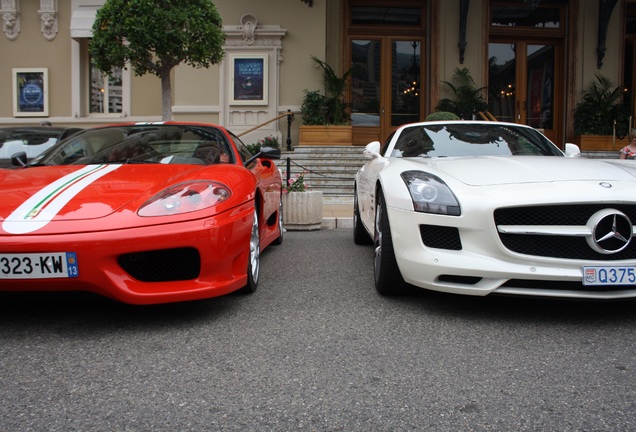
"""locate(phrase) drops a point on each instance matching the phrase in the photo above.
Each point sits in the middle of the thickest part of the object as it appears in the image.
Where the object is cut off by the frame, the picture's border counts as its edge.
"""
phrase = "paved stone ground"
(316, 349)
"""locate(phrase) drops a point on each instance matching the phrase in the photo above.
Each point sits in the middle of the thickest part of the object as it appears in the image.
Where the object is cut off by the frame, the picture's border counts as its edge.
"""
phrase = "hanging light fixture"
(414, 73)
(533, 3)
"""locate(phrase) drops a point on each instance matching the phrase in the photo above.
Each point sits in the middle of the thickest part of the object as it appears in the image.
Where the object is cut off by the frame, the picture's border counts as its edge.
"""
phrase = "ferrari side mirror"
(19, 159)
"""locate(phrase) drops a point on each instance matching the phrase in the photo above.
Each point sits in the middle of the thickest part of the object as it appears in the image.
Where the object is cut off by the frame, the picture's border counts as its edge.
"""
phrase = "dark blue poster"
(249, 79)
(31, 92)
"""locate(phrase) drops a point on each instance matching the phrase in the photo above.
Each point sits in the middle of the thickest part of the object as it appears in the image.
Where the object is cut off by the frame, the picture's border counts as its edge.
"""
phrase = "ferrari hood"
(70, 193)
(493, 170)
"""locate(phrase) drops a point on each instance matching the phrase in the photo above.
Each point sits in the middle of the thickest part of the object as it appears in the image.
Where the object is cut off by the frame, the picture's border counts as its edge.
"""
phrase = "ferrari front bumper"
(109, 262)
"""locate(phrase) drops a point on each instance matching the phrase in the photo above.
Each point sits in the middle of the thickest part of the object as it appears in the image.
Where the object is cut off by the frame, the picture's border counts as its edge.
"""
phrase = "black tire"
(388, 279)
(254, 258)
(281, 228)
(360, 234)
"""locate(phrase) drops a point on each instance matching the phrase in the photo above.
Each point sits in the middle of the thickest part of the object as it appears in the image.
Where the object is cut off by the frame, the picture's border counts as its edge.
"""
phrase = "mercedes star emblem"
(611, 231)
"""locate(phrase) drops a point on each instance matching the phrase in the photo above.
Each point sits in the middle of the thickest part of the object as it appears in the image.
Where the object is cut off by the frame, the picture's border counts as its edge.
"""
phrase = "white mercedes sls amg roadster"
(478, 208)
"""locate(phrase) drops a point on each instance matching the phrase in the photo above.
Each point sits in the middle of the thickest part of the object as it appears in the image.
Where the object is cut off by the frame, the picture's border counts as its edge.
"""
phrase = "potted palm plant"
(466, 99)
(601, 116)
(326, 118)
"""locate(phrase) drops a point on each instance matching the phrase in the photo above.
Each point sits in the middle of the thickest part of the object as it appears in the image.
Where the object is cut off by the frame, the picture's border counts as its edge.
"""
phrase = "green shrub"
(313, 108)
(442, 115)
(602, 104)
(329, 108)
(466, 99)
(268, 141)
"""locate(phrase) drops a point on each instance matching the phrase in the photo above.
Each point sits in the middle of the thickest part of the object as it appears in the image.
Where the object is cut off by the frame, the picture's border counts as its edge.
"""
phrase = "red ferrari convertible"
(140, 213)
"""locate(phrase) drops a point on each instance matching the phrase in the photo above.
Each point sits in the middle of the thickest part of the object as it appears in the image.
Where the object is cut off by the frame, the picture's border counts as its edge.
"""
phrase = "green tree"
(154, 36)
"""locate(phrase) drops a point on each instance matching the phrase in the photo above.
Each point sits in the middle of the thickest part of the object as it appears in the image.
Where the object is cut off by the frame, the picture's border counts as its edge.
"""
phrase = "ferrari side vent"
(162, 265)
(440, 237)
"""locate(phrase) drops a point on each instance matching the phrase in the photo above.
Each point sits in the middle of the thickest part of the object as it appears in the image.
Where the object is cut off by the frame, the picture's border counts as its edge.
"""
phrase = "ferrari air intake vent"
(162, 265)
(440, 237)
(555, 242)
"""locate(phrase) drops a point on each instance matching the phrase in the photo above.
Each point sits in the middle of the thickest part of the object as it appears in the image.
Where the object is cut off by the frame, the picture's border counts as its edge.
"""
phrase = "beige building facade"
(532, 57)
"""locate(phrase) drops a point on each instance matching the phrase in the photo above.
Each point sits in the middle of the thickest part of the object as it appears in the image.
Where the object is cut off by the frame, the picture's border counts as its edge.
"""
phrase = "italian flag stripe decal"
(41, 208)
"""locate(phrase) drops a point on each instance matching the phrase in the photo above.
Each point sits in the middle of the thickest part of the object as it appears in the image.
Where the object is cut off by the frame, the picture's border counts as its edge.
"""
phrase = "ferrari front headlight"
(184, 198)
(430, 194)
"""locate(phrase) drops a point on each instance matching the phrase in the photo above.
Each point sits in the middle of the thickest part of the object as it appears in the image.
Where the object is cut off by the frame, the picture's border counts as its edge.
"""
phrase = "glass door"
(521, 83)
(405, 82)
(385, 85)
(366, 89)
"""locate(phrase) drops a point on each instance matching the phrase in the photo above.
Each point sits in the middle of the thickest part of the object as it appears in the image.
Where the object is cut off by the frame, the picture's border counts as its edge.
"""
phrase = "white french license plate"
(39, 265)
(609, 275)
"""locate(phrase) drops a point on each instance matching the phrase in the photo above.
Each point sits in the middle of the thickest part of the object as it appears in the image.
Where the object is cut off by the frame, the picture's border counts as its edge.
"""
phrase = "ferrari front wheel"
(254, 259)
(388, 279)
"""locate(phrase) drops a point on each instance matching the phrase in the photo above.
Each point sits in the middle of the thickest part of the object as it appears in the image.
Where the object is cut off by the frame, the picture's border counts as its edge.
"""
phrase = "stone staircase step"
(330, 169)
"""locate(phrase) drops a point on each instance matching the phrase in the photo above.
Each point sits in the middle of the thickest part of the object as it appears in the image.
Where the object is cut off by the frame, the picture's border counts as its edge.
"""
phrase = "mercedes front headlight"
(430, 194)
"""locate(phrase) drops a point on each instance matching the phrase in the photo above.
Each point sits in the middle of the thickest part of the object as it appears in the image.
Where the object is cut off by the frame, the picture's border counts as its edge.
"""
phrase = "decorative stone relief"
(249, 23)
(48, 17)
(10, 10)
(251, 35)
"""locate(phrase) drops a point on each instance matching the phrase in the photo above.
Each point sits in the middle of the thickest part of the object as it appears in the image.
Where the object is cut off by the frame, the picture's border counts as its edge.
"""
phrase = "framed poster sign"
(249, 80)
(30, 92)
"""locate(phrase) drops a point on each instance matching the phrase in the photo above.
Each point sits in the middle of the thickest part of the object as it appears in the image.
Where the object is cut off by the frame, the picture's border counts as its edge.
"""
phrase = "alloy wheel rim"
(378, 243)
(355, 209)
(280, 218)
(255, 249)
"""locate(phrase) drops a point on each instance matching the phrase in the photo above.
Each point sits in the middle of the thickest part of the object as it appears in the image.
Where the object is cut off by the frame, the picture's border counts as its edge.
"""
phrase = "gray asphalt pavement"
(316, 349)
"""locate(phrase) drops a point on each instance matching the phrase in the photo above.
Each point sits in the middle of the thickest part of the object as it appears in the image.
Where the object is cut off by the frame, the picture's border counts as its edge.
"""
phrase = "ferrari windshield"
(29, 136)
(471, 139)
(150, 143)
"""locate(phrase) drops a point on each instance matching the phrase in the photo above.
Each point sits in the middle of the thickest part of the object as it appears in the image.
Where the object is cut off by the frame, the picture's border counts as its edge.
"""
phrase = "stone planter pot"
(302, 211)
